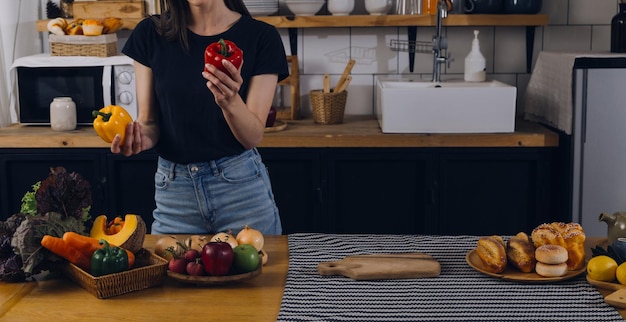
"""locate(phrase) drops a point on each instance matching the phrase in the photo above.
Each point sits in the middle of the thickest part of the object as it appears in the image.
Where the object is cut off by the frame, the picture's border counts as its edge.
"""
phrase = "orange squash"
(131, 236)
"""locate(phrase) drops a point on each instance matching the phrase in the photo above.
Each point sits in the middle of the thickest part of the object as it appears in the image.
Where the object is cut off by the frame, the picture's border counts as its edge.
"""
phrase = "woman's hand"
(135, 141)
(225, 88)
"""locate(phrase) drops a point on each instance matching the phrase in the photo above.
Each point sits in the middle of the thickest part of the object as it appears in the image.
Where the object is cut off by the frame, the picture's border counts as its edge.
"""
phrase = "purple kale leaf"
(66, 193)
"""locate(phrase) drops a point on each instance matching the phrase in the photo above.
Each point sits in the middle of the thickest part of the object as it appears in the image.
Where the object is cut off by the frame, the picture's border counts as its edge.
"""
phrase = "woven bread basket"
(98, 46)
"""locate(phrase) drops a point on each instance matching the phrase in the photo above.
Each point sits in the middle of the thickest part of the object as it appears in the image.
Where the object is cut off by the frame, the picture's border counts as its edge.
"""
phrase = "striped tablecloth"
(459, 294)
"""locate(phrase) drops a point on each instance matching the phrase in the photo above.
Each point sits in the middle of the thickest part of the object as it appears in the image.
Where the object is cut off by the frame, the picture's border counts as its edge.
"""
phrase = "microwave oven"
(91, 82)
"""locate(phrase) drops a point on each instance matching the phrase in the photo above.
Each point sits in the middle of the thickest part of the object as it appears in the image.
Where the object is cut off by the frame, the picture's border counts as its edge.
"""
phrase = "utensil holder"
(328, 108)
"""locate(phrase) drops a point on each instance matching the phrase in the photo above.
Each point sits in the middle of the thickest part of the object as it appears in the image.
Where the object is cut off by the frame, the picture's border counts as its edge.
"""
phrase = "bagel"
(551, 254)
(571, 236)
(551, 270)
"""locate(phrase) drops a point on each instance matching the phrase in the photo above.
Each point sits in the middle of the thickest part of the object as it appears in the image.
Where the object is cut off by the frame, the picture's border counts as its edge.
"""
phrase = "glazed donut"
(551, 270)
(551, 254)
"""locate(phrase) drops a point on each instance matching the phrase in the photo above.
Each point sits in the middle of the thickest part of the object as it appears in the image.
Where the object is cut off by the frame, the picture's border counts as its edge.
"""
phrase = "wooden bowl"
(214, 280)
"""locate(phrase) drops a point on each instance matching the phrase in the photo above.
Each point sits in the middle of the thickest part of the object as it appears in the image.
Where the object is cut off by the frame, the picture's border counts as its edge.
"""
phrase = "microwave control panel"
(125, 92)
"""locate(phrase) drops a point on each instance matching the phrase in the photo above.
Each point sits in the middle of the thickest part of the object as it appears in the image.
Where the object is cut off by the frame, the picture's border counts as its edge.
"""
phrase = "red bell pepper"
(223, 49)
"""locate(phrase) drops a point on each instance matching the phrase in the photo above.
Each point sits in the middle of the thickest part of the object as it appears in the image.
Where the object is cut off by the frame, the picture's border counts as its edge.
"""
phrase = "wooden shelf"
(377, 21)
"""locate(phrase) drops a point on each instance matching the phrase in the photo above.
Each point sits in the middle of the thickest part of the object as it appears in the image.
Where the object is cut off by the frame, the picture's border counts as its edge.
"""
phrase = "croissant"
(57, 26)
(111, 25)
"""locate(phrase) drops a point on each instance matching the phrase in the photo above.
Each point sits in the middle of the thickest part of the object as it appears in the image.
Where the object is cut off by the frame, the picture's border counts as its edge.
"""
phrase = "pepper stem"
(223, 49)
(105, 116)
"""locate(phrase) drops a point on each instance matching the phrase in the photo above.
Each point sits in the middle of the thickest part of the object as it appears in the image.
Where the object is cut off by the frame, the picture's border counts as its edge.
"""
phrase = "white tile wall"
(574, 25)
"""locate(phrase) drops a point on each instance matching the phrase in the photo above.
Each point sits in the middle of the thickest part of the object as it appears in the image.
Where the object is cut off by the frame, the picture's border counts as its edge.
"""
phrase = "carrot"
(59, 247)
(89, 245)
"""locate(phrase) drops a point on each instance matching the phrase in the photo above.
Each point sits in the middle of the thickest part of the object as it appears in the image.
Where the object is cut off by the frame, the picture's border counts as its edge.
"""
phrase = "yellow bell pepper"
(110, 121)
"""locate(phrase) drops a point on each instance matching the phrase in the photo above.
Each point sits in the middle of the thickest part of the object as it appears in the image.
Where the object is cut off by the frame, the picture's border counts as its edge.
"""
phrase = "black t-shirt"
(193, 128)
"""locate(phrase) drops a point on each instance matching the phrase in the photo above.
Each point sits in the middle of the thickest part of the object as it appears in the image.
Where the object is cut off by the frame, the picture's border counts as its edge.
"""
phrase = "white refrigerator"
(598, 141)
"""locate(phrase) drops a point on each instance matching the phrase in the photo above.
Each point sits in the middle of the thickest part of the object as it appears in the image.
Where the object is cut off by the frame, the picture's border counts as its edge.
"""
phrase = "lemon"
(602, 268)
(621, 273)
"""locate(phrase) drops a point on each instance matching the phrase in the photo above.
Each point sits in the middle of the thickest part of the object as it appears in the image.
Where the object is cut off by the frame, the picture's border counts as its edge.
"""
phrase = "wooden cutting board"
(383, 266)
(617, 298)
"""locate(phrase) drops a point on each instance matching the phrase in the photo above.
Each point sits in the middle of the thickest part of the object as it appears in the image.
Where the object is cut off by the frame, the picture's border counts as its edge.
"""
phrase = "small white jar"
(63, 114)
(340, 7)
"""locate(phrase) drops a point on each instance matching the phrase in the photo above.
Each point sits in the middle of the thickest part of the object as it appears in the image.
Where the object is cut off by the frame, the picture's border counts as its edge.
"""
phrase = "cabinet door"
(297, 185)
(130, 185)
(379, 191)
(496, 191)
(21, 168)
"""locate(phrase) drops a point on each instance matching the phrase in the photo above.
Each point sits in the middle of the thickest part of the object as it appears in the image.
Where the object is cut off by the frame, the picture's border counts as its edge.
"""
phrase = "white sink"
(406, 105)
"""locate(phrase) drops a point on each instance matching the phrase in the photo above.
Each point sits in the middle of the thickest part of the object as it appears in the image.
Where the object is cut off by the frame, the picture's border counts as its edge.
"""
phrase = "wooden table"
(61, 300)
(258, 299)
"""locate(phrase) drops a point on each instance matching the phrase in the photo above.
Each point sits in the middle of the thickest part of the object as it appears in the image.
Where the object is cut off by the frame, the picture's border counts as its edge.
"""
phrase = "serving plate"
(278, 126)
(513, 274)
(214, 280)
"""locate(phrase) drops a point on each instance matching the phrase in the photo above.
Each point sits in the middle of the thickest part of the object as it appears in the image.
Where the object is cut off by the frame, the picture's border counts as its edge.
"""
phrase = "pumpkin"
(130, 237)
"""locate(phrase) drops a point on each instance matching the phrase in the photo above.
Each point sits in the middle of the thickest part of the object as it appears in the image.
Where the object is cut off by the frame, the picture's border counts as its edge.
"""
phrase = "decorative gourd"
(130, 237)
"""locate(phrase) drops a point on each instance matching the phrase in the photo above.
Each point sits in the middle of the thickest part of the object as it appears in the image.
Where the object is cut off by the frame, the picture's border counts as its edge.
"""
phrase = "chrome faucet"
(440, 42)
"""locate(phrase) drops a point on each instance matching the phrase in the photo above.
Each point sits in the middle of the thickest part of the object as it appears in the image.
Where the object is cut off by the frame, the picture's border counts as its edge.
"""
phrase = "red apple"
(271, 117)
(217, 258)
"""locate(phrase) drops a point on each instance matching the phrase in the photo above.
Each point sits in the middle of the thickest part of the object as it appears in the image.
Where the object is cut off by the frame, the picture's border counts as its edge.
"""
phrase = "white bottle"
(475, 65)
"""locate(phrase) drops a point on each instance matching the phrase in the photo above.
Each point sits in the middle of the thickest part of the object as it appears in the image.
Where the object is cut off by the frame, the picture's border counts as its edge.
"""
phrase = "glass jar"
(618, 30)
(63, 114)
(67, 11)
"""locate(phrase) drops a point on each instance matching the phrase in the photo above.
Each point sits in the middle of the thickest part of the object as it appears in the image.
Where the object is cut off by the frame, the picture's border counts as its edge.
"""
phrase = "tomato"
(217, 258)
(195, 268)
(246, 258)
(178, 265)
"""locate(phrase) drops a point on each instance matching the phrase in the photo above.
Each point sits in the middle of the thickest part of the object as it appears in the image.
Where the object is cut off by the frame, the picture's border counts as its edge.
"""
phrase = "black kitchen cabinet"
(379, 191)
(493, 191)
(297, 183)
(21, 168)
(130, 184)
(335, 190)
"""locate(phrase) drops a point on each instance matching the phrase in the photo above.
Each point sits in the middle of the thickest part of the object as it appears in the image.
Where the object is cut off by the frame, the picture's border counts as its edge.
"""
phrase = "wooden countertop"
(356, 131)
(256, 300)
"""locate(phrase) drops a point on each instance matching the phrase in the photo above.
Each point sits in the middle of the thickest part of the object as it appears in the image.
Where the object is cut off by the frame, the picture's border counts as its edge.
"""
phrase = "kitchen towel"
(459, 293)
(549, 96)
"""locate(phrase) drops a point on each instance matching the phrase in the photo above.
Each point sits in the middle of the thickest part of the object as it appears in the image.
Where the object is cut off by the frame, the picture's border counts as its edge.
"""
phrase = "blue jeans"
(215, 196)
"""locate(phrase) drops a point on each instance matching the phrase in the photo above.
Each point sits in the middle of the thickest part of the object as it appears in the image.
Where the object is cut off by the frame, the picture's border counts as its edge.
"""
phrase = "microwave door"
(107, 83)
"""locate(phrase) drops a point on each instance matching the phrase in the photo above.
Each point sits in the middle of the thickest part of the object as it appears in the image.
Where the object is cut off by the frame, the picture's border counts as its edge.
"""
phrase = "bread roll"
(551, 270)
(492, 253)
(571, 236)
(92, 27)
(520, 252)
(551, 254)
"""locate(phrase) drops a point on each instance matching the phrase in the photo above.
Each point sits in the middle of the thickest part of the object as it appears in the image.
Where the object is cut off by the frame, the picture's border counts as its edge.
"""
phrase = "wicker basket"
(328, 108)
(150, 270)
(99, 46)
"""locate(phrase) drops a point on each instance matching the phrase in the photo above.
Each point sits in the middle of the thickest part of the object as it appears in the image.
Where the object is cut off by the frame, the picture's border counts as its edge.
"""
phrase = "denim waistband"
(200, 168)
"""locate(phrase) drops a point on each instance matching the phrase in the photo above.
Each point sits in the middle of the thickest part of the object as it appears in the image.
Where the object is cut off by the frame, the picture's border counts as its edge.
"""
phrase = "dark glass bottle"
(618, 30)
